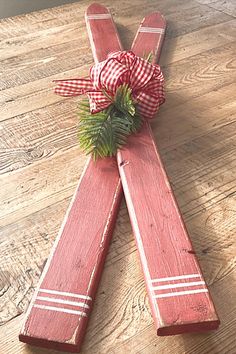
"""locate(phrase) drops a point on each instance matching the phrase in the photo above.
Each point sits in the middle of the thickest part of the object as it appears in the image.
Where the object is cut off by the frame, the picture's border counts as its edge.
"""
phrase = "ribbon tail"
(73, 87)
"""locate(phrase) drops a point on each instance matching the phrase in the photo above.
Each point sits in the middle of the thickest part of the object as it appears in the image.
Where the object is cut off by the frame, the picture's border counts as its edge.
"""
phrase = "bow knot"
(144, 79)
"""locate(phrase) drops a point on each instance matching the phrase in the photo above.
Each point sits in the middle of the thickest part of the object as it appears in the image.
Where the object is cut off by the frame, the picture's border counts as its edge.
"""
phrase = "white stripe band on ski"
(64, 293)
(180, 293)
(98, 17)
(58, 309)
(178, 285)
(178, 277)
(151, 30)
(60, 301)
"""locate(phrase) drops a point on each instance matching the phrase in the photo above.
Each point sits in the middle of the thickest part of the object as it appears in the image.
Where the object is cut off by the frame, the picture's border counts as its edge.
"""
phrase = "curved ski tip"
(96, 9)
(154, 19)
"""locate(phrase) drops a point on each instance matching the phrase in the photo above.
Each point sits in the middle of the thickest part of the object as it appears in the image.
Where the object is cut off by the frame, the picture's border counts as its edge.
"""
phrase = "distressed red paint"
(76, 263)
(162, 239)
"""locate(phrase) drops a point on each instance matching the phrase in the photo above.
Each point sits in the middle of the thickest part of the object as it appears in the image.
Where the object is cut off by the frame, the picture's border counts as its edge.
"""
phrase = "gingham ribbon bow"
(145, 80)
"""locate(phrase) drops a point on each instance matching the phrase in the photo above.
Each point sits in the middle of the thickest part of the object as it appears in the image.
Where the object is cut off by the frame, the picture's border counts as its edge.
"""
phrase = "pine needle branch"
(103, 133)
(148, 57)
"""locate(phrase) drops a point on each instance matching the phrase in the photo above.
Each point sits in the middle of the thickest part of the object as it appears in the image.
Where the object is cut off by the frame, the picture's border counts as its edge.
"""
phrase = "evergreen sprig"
(148, 57)
(103, 133)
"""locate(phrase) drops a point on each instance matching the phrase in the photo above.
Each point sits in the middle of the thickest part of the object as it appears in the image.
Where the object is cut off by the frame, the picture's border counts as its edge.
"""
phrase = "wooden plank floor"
(40, 163)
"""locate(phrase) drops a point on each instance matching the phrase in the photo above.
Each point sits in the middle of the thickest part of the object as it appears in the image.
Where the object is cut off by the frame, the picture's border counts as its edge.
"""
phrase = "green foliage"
(123, 100)
(148, 57)
(101, 134)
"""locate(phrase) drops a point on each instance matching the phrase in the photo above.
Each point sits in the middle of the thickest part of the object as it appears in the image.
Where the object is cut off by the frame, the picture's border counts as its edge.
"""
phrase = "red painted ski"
(58, 314)
(179, 297)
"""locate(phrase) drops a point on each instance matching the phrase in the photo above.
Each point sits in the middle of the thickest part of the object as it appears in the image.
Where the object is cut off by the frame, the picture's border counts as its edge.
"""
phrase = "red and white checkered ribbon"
(145, 80)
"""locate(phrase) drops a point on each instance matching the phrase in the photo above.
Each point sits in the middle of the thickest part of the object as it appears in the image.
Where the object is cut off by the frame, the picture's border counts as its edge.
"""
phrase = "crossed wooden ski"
(180, 301)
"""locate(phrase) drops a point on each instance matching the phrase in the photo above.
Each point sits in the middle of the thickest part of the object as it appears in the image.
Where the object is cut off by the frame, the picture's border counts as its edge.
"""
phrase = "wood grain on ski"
(59, 311)
(179, 297)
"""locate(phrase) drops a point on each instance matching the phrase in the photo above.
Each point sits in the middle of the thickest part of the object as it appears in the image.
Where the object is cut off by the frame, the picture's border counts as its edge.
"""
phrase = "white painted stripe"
(60, 301)
(151, 30)
(179, 285)
(64, 293)
(58, 309)
(98, 16)
(180, 293)
(187, 276)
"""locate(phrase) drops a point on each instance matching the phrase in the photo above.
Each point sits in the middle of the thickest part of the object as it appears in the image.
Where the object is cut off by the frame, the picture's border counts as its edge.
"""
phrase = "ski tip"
(154, 19)
(96, 9)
